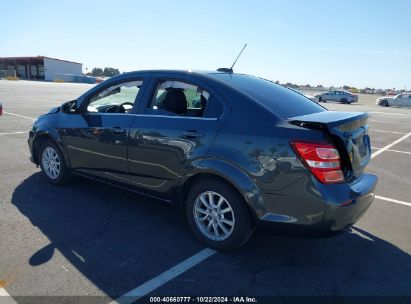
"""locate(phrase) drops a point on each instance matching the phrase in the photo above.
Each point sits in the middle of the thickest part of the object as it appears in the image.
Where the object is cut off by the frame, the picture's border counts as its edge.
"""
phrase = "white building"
(40, 67)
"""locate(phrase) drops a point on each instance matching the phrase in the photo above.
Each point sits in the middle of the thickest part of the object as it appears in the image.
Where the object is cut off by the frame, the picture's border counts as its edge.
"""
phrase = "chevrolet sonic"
(234, 150)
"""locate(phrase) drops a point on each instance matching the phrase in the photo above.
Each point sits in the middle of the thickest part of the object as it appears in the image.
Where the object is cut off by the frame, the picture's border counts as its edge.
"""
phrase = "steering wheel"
(121, 106)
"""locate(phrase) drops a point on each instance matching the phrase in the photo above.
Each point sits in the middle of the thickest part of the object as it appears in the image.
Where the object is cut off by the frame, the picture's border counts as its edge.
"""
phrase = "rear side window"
(173, 97)
(282, 101)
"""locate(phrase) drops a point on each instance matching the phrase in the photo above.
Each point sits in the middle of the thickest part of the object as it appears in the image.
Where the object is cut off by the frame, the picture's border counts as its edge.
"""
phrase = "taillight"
(323, 160)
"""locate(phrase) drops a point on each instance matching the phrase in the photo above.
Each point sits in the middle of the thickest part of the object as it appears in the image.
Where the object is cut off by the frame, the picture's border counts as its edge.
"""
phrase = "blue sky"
(335, 42)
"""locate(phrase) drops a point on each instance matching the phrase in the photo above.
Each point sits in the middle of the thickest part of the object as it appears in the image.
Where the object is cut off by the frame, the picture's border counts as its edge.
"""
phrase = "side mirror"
(70, 107)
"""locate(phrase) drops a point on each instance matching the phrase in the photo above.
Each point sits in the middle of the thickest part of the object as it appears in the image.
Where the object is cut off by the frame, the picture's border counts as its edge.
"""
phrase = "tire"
(52, 164)
(344, 101)
(384, 103)
(320, 99)
(223, 195)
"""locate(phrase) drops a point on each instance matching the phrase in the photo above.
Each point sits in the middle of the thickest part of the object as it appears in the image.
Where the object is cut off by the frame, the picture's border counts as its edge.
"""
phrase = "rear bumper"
(324, 208)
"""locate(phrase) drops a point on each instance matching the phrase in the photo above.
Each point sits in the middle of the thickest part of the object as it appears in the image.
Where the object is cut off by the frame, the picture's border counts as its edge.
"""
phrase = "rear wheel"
(53, 165)
(344, 101)
(217, 215)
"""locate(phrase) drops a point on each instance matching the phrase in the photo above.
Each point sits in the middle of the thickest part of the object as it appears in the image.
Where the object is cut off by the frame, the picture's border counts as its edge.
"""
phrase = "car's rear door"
(408, 101)
(165, 146)
(97, 139)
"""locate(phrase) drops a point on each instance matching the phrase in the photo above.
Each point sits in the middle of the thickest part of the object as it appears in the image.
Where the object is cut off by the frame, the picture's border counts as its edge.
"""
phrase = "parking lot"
(91, 242)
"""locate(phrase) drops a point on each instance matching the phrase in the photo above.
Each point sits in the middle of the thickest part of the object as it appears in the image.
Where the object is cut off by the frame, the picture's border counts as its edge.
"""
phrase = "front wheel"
(53, 165)
(384, 103)
(217, 215)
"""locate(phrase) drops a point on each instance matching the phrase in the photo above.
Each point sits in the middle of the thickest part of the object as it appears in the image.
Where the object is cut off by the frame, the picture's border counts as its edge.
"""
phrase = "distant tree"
(110, 72)
(107, 72)
(291, 85)
(346, 87)
(97, 72)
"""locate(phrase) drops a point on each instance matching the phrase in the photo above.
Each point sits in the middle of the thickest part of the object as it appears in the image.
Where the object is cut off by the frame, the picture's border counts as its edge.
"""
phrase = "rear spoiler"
(345, 121)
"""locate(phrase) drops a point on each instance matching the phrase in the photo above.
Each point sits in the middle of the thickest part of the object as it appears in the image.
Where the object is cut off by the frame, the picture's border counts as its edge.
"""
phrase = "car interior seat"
(175, 102)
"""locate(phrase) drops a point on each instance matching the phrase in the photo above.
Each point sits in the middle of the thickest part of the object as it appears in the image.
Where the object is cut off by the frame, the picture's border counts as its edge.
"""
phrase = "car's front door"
(173, 133)
(328, 96)
(396, 101)
(97, 140)
(405, 100)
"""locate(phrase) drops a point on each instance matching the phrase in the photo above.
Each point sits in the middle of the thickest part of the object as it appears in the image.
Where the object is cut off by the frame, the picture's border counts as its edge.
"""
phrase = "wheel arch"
(46, 134)
(232, 177)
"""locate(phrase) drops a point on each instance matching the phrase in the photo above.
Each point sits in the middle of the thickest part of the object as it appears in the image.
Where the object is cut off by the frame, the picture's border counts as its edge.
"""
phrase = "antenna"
(235, 61)
(230, 70)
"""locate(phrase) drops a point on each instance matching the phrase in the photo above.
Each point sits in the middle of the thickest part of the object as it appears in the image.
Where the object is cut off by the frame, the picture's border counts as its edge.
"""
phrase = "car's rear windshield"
(282, 101)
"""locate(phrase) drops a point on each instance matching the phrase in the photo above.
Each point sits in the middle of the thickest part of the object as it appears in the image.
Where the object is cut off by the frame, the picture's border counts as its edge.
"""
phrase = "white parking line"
(397, 151)
(386, 131)
(392, 122)
(390, 150)
(18, 115)
(11, 133)
(163, 278)
(393, 200)
(5, 298)
(378, 152)
(29, 107)
(387, 113)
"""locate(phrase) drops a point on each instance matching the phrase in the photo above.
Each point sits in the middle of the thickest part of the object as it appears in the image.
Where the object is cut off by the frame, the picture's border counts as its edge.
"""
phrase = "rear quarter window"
(281, 101)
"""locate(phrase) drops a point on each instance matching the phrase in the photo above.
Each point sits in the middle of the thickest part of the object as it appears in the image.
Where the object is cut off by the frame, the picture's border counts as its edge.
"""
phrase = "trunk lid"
(349, 133)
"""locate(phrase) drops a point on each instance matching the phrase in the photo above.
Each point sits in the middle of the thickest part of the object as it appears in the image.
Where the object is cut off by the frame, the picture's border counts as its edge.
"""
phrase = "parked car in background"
(233, 150)
(400, 100)
(337, 96)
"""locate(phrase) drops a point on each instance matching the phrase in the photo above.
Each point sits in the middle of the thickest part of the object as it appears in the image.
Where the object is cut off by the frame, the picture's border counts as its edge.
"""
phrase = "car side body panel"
(248, 146)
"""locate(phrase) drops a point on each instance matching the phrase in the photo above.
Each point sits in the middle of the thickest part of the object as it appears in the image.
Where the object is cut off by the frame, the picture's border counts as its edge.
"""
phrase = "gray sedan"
(337, 96)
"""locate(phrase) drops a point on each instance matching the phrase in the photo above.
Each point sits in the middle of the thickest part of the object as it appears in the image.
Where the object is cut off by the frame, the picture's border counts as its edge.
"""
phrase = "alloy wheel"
(214, 216)
(50, 161)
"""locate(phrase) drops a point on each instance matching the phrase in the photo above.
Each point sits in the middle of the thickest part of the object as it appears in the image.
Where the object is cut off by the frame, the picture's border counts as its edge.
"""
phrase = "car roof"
(175, 71)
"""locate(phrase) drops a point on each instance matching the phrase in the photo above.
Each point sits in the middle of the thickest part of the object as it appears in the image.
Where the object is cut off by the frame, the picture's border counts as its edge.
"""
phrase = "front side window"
(118, 98)
(173, 97)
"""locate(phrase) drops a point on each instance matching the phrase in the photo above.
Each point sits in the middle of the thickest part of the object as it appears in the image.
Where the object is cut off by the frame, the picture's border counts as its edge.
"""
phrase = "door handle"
(117, 130)
(192, 134)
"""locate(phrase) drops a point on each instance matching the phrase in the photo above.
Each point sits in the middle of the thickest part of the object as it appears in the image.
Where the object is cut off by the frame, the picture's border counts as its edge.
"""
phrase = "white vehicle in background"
(400, 100)
(311, 97)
